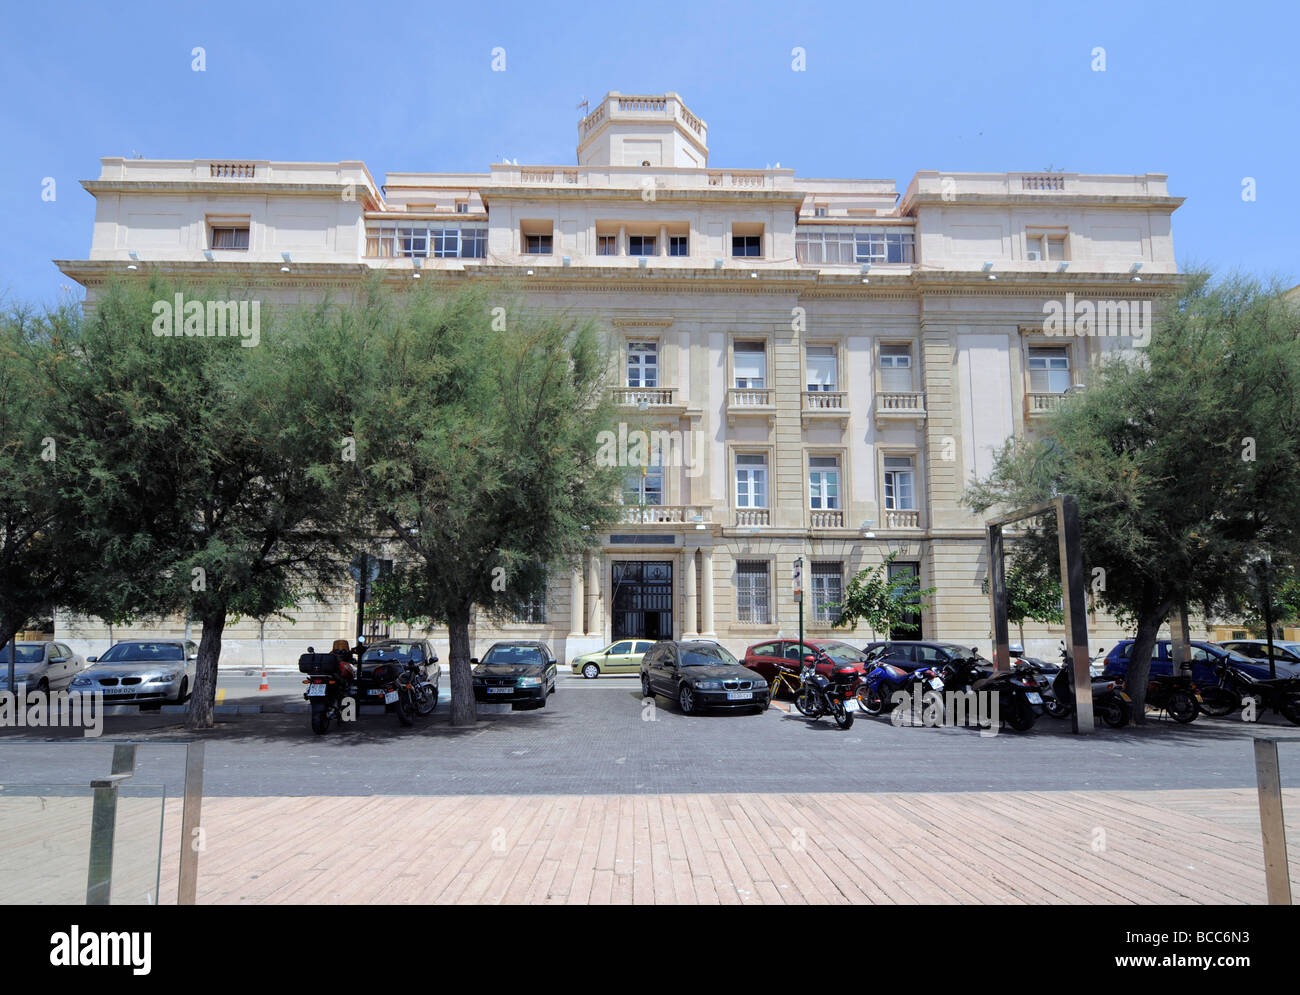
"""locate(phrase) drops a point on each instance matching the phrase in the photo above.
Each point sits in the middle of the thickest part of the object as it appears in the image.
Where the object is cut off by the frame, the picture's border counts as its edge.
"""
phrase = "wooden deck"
(1070, 847)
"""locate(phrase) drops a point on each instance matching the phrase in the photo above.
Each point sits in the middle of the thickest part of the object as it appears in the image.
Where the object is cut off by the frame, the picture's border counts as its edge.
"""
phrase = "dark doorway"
(642, 600)
(911, 624)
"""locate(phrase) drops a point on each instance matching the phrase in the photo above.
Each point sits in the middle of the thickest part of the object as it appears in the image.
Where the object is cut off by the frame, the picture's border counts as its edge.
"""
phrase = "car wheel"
(43, 687)
(183, 693)
(590, 671)
(686, 698)
(646, 691)
(1290, 709)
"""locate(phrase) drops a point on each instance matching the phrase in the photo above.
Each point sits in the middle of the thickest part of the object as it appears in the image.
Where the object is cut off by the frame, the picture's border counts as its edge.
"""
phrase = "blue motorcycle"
(876, 690)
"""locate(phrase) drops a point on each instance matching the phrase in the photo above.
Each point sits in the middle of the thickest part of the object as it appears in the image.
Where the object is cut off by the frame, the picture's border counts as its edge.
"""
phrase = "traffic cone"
(264, 686)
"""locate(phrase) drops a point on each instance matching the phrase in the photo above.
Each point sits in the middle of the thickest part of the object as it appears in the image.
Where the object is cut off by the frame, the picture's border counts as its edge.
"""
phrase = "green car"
(622, 657)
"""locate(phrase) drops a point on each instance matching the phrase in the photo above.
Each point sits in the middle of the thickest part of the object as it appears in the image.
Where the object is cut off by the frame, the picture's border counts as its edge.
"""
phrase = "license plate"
(936, 683)
(316, 691)
(390, 697)
(375, 692)
(119, 691)
(850, 704)
(1034, 697)
(500, 690)
(739, 695)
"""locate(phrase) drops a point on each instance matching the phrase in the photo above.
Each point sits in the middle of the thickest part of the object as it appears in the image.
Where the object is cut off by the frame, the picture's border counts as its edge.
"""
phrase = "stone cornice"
(788, 198)
(1059, 202)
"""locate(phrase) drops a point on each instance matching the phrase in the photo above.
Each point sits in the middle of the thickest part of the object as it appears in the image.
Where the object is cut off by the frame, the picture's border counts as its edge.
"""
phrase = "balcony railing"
(896, 518)
(750, 397)
(665, 514)
(1042, 404)
(753, 516)
(898, 405)
(825, 400)
(820, 518)
(232, 170)
(655, 397)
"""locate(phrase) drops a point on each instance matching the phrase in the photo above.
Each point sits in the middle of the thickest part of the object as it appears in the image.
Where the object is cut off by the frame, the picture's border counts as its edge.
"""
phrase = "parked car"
(144, 672)
(1204, 656)
(700, 674)
(42, 666)
(397, 651)
(1284, 650)
(521, 672)
(622, 657)
(764, 658)
(907, 654)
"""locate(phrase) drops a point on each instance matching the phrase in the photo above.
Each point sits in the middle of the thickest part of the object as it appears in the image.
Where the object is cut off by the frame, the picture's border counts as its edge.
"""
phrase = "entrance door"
(642, 600)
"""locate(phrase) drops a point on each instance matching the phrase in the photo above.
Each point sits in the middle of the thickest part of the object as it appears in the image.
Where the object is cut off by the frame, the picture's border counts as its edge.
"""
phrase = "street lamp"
(798, 596)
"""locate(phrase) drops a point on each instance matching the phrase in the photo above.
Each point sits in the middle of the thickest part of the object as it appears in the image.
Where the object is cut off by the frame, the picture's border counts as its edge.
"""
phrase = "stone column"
(688, 583)
(577, 617)
(706, 593)
(622, 241)
(663, 240)
(596, 619)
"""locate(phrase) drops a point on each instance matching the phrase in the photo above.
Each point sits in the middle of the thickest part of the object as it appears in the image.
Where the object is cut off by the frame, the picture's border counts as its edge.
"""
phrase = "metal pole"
(103, 822)
(1070, 546)
(190, 822)
(13, 661)
(998, 601)
(799, 597)
(1277, 875)
(1266, 568)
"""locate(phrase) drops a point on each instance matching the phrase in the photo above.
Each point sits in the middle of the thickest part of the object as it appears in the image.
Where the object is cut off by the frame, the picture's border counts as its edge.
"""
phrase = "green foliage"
(883, 602)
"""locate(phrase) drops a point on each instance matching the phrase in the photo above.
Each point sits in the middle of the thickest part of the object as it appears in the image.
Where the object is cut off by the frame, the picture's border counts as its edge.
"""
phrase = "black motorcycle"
(407, 689)
(819, 695)
(1176, 695)
(1019, 694)
(1110, 702)
(328, 692)
(1236, 686)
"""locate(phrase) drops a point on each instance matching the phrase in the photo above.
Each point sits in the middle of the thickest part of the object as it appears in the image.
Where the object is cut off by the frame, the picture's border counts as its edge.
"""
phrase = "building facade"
(818, 366)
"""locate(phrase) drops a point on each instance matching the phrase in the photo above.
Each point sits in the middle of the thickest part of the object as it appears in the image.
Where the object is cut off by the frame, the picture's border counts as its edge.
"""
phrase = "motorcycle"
(1235, 686)
(327, 689)
(1018, 691)
(1176, 695)
(877, 689)
(408, 689)
(820, 695)
(1109, 700)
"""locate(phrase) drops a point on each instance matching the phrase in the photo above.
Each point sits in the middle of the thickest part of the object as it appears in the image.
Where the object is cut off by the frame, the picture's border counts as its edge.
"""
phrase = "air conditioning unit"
(1034, 256)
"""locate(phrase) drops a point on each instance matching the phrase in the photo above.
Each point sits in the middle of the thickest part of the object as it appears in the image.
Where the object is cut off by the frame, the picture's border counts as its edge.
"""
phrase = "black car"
(700, 674)
(521, 672)
(398, 652)
(907, 654)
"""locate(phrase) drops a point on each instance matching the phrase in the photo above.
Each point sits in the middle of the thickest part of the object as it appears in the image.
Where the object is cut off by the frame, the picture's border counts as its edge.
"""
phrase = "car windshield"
(142, 652)
(24, 654)
(388, 653)
(706, 656)
(515, 656)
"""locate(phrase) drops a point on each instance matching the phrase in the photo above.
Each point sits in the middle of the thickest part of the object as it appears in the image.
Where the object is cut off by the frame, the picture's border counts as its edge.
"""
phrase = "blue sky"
(1206, 92)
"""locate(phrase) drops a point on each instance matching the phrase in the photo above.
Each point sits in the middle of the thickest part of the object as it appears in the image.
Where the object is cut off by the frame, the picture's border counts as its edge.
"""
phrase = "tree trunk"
(463, 710)
(203, 700)
(1139, 661)
(8, 632)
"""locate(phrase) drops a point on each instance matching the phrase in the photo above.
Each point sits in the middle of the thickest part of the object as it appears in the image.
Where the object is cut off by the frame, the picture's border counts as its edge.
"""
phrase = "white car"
(42, 666)
(144, 672)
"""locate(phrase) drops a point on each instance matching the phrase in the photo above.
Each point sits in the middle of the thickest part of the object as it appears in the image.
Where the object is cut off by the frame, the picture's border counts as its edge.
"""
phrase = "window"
(229, 237)
(1049, 371)
(750, 362)
(462, 207)
(747, 246)
(753, 604)
(413, 241)
(640, 245)
(751, 480)
(643, 364)
(607, 245)
(824, 483)
(819, 211)
(473, 243)
(537, 245)
(621, 649)
(1046, 244)
(848, 246)
(679, 245)
(390, 241)
(896, 368)
(910, 626)
(445, 242)
(900, 484)
(827, 591)
(533, 611)
(821, 363)
(645, 485)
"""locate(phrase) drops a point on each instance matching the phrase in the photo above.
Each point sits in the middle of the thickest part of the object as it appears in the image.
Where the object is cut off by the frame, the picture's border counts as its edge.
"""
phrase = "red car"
(831, 655)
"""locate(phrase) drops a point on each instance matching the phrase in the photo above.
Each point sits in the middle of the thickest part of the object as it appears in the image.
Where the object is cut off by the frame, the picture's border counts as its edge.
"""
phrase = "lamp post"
(798, 596)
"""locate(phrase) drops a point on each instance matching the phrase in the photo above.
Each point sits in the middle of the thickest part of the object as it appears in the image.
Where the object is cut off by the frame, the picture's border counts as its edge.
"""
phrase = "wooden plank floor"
(1064, 847)
(1195, 847)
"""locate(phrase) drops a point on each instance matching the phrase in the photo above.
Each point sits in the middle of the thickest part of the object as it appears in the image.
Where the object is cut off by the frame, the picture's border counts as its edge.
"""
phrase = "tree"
(210, 476)
(1185, 460)
(478, 427)
(1033, 591)
(885, 603)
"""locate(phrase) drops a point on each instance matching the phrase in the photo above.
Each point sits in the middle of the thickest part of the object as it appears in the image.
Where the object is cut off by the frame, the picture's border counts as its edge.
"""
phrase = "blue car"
(1204, 657)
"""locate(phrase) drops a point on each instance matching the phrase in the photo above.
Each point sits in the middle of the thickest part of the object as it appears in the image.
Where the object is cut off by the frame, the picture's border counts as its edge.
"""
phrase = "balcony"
(900, 518)
(753, 517)
(742, 401)
(822, 518)
(893, 406)
(665, 514)
(820, 405)
(1038, 404)
(663, 399)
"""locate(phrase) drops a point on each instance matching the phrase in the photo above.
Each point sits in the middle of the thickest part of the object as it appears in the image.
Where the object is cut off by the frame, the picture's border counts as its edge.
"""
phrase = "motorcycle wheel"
(426, 699)
(1056, 708)
(808, 704)
(870, 702)
(843, 717)
(1021, 715)
(1219, 701)
(405, 708)
(1182, 707)
(1114, 713)
(1290, 709)
(320, 720)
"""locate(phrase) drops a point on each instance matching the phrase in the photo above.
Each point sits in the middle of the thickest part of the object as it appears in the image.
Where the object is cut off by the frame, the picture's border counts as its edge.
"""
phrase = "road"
(599, 737)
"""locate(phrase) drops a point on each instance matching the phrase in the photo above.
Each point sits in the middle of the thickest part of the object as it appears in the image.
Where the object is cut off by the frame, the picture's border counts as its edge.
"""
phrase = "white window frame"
(823, 351)
(751, 383)
(643, 359)
(1049, 373)
(891, 479)
(755, 478)
(825, 483)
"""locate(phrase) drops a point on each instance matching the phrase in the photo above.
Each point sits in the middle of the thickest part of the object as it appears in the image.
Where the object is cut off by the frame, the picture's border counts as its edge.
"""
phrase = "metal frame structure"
(1277, 874)
(1070, 550)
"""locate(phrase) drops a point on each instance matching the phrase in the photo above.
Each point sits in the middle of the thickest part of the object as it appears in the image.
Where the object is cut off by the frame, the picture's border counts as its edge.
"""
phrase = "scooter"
(1109, 701)
(1019, 697)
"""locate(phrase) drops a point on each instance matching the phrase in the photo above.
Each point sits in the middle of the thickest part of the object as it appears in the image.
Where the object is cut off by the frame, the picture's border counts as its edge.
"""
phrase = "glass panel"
(750, 361)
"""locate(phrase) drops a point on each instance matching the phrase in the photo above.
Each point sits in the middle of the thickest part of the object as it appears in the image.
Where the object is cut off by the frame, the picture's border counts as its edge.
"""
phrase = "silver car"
(144, 672)
(42, 666)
